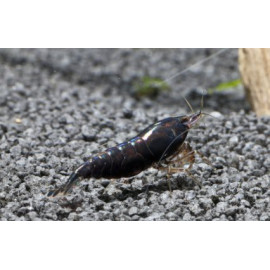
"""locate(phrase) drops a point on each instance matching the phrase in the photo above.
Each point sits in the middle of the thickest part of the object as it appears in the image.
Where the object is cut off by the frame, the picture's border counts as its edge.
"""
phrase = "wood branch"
(254, 66)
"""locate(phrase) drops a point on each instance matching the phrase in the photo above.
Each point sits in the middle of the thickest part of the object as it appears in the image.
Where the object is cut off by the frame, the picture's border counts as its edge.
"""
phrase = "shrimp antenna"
(203, 113)
(202, 102)
(196, 64)
(189, 105)
(203, 92)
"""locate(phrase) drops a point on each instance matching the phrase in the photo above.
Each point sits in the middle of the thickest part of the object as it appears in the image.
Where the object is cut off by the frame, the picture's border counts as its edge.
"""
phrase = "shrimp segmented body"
(159, 145)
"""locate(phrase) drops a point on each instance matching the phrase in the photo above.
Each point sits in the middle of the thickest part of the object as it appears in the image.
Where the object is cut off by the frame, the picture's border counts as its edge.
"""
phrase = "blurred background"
(148, 77)
(58, 107)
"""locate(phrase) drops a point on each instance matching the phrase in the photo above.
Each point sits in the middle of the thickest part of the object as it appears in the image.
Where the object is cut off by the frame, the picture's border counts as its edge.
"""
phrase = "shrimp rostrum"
(161, 145)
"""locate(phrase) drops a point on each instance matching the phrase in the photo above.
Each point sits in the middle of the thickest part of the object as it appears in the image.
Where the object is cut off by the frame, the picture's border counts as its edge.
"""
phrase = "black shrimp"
(161, 145)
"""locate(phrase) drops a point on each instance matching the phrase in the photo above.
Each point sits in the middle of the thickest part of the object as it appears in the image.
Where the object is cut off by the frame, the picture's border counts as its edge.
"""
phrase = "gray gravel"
(57, 107)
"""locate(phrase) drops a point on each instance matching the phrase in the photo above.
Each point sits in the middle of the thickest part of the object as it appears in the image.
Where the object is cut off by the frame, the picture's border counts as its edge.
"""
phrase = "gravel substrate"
(57, 107)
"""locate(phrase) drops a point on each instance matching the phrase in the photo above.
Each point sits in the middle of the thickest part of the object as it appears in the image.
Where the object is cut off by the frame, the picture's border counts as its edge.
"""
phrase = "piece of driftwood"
(254, 66)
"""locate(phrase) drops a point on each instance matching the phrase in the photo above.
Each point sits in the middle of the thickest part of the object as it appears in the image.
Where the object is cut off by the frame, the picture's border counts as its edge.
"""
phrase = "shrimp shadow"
(160, 187)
